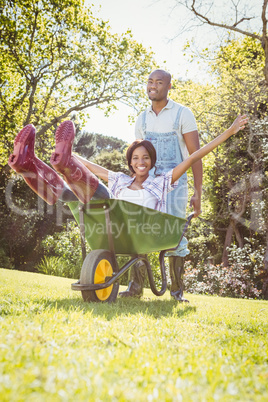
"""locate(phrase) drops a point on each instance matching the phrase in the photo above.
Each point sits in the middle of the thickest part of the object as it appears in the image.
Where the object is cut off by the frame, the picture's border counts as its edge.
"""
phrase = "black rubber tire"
(98, 263)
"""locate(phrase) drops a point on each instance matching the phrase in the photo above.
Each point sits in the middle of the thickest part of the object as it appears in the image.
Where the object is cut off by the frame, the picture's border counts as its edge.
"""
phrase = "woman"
(80, 175)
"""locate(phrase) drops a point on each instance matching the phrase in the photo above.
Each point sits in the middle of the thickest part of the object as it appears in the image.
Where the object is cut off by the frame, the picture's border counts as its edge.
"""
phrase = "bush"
(51, 266)
(251, 256)
(233, 281)
(240, 279)
(5, 261)
(57, 266)
(65, 247)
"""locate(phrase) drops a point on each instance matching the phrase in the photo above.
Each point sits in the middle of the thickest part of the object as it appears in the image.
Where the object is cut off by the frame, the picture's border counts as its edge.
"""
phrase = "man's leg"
(136, 281)
(177, 202)
(176, 267)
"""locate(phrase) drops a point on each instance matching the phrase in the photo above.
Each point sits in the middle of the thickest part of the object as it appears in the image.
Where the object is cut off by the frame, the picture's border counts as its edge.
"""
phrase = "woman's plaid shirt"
(159, 186)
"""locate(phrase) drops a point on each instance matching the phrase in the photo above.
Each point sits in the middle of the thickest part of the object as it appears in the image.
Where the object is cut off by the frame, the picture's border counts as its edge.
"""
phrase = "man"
(172, 129)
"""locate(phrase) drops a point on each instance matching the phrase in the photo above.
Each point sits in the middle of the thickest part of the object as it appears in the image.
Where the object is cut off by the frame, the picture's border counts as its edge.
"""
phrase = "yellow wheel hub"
(103, 269)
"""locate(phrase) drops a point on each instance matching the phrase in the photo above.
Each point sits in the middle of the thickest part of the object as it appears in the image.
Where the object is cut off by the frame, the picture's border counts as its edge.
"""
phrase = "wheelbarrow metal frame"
(133, 257)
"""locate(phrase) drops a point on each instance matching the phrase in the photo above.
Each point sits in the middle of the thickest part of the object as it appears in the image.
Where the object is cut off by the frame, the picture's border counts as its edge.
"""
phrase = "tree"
(25, 219)
(236, 18)
(108, 143)
(91, 144)
(115, 161)
(235, 178)
(57, 58)
(242, 83)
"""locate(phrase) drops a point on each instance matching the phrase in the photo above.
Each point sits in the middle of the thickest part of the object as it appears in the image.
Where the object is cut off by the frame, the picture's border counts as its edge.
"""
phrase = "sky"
(154, 24)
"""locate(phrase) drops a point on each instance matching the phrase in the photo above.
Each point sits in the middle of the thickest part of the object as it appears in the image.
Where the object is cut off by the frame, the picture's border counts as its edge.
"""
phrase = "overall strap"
(177, 122)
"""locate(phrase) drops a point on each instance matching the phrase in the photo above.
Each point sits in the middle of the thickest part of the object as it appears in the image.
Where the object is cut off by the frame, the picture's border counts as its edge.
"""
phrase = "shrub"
(5, 261)
(233, 281)
(251, 256)
(240, 279)
(65, 245)
(51, 266)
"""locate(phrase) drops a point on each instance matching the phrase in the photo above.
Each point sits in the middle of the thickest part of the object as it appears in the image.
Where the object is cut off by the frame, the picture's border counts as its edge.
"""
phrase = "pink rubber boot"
(82, 182)
(43, 180)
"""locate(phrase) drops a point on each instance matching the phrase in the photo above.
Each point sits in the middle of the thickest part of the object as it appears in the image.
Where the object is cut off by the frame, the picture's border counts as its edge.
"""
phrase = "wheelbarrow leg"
(176, 267)
(136, 281)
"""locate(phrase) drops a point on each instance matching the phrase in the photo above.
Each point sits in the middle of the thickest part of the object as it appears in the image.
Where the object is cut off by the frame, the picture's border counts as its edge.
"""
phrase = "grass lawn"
(55, 347)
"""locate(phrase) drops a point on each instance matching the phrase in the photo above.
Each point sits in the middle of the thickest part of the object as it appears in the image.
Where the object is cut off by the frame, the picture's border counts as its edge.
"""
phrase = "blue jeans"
(101, 193)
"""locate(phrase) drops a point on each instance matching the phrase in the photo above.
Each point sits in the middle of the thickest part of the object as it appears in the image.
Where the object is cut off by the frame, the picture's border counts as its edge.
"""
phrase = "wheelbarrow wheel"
(97, 265)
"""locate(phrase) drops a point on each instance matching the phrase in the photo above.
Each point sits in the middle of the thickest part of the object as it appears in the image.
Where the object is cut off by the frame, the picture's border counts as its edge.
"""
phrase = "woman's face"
(141, 161)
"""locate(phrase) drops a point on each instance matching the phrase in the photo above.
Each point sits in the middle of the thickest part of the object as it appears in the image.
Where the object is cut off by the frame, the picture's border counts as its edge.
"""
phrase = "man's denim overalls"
(169, 155)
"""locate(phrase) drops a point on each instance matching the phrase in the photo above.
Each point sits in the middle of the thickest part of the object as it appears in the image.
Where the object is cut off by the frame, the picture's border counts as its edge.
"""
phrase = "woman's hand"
(239, 124)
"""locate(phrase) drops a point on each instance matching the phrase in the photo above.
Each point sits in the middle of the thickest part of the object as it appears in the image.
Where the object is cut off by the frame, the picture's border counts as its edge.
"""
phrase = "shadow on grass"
(124, 307)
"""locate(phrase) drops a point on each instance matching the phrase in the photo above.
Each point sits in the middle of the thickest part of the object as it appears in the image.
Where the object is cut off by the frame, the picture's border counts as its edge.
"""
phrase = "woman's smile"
(141, 161)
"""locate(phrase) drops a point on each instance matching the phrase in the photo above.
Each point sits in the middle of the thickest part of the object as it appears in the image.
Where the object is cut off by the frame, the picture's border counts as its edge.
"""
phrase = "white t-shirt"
(158, 187)
(164, 123)
(141, 197)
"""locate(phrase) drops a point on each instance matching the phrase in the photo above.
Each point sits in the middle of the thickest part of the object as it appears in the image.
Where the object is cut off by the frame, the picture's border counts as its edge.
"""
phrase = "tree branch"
(206, 20)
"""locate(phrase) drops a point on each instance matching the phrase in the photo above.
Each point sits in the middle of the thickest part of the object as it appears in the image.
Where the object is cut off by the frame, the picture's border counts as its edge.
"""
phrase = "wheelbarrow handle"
(187, 223)
(188, 220)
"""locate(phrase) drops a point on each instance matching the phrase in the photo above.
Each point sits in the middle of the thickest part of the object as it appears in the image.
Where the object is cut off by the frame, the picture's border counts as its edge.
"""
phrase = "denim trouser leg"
(102, 192)
(176, 205)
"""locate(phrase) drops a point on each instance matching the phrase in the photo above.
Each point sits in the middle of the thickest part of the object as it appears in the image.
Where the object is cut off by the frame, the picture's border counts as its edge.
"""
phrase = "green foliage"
(58, 58)
(58, 266)
(232, 281)
(250, 256)
(56, 346)
(235, 181)
(109, 144)
(84, 144)
(25, 219)
(52, 266)
(155, 266)
(202, 239)
(66, 247)
(241, 279)
(115, 161)
(90, 145)
(5, 261)
(239, 66)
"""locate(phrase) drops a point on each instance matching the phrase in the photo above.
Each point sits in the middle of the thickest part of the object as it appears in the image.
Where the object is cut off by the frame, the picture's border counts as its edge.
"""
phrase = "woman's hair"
(141, 143)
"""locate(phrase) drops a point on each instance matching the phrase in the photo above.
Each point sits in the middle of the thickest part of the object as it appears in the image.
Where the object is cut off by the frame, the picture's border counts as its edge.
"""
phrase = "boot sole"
(21, 145)
(64, 141)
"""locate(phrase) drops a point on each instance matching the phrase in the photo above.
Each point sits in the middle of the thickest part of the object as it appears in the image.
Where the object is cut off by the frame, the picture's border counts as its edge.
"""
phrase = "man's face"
(158, 86)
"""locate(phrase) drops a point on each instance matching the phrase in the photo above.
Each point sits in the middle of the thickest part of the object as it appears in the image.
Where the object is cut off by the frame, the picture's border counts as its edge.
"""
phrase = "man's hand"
(192, 143)
(195, 202)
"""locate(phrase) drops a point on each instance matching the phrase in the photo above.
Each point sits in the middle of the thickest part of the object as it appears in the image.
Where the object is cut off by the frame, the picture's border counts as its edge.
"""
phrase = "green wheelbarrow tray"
(124, 228)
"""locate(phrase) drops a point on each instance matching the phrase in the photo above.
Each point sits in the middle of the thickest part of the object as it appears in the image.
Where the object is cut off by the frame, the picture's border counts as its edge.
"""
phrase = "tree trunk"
(227, 243)
(238, 236)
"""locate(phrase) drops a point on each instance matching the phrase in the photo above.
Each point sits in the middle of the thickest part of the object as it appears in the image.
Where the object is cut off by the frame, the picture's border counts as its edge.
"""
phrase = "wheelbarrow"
(114, 228)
